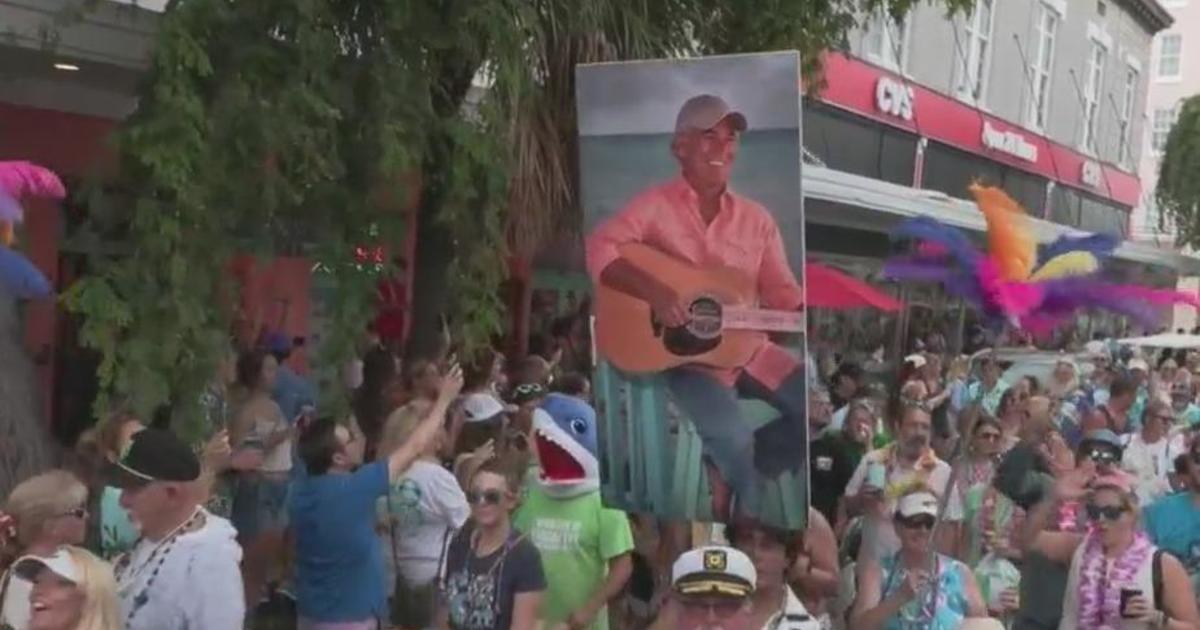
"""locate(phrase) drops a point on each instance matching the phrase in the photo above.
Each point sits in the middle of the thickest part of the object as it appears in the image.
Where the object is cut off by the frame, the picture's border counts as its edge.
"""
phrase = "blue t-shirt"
(1173, 523)
(339, 563)
(292, 392)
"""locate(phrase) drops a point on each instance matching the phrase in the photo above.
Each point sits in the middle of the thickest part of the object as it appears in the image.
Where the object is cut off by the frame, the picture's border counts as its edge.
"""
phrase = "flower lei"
(1099, 588)
(924, 466)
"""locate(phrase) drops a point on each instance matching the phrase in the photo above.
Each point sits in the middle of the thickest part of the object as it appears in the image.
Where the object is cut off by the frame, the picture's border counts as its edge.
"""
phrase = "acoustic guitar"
(724, 328)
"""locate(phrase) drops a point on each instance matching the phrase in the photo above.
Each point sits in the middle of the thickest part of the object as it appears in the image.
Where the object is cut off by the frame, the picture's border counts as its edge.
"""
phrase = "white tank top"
(1143, 579)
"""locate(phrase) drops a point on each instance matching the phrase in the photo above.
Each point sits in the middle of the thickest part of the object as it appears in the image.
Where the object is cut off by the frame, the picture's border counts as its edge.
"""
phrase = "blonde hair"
(100, 608)
(400, 425)
(41, 498)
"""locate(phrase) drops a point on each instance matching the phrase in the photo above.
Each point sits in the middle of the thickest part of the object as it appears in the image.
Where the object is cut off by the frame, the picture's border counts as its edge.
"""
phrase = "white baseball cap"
(1139, 364)
(714, 570)
(481, 407)
(917, 503)
(917, 360)
(59, 562)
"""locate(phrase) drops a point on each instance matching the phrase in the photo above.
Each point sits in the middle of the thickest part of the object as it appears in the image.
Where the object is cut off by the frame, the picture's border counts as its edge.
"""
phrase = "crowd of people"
(962, 495)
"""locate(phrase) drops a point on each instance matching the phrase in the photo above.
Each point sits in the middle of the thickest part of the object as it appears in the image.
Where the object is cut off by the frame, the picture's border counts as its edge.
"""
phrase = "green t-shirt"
(576, 537)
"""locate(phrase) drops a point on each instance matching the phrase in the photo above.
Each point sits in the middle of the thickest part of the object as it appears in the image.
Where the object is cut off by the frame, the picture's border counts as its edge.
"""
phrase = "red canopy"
(828, 288)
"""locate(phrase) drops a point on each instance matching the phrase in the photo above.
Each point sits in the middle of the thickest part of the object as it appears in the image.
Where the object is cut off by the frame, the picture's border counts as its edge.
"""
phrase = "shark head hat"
(565, 436)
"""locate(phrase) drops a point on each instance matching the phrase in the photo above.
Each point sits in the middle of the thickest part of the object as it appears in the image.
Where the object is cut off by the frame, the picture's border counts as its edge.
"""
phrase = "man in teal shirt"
(1173, 522)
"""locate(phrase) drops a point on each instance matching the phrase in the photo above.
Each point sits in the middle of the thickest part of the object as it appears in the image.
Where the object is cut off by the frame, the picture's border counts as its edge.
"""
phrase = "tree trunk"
(434, 252)
(24, 447)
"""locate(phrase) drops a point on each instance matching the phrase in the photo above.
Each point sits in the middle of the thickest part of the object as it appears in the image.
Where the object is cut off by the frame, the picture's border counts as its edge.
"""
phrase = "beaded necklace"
(128, 576)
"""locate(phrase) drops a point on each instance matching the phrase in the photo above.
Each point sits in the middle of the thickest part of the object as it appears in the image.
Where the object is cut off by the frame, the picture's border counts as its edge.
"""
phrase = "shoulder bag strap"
(391, 517)
(1156, 578)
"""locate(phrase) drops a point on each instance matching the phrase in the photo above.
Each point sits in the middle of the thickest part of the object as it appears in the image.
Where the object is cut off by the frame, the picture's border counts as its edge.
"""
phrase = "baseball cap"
(1119, 481)
(1139, 364)
(60, 562)
(154, 455)
(481, 407)
(917, 503)
(916, 360)
(701, 113)
(714, 570)
(1101, 436)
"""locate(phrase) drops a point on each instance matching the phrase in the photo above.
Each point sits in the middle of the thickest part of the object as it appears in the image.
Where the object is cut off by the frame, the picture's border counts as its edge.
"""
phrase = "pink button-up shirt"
(743, 236)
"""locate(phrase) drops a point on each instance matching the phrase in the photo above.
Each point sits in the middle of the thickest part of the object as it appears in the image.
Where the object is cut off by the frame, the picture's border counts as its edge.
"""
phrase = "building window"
(1042, 66)
(1170, 56)
(1128, 102)
(973, 53)
(1160, 129)
(1094, 80)
(884, 42)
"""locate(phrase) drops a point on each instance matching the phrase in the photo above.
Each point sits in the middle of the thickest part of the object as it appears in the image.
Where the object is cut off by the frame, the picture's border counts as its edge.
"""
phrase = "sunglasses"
(1101, 456)
(721, 608)
(1107, 512)
(920, 521)
(485, 497)
(79, 513)
(1195, 455)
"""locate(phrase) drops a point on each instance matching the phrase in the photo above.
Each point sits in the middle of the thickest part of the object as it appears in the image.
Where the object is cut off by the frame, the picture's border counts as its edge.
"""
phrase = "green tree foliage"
(1178, 192)
(303, 126)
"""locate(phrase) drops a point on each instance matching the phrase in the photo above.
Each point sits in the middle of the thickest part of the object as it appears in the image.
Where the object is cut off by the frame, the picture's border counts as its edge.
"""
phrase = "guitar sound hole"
(702, 332)
(705, 318)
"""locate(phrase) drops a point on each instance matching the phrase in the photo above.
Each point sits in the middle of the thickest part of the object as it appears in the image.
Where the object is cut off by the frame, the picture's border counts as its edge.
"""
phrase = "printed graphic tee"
(479, 591)
(426, 507)
(576, 538)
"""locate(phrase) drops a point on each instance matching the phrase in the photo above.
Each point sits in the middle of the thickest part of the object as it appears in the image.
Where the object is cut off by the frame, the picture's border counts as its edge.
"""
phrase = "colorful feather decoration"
(1010, 242)
(1100, 245)
(998, 282)
(25, 179)
(10, 209)
(20, 278)
(1067, 265)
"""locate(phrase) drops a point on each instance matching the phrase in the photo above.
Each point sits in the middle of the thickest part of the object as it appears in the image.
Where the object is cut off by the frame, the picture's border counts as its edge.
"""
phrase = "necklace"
(1100, 582)
(921, 615)
(128, 577)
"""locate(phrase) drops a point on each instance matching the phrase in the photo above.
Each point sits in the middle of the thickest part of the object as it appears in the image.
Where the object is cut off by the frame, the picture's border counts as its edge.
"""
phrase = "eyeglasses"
(79, 513)
(1107, 512)
(485, 497)
(920, 521)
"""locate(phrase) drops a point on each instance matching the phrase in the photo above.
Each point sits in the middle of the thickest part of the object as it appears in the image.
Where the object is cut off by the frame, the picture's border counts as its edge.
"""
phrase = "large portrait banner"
(694, 223)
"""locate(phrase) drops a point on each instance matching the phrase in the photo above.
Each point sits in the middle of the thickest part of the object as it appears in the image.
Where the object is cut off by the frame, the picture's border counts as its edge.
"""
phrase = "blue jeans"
(745, 457)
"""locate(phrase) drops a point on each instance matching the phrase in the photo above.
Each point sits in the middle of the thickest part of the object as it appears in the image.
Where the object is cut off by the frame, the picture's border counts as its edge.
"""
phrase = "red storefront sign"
(875, 93)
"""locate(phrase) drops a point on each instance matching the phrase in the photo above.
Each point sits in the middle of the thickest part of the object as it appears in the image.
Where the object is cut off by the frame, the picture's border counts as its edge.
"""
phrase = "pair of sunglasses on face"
(1106, 512)
(920, 521)
(485, 497)
(1102, 456)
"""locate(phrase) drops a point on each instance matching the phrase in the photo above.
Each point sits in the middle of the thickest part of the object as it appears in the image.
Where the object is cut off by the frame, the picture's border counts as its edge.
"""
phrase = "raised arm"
(412, 448)
(1057, 546)
(871, 610)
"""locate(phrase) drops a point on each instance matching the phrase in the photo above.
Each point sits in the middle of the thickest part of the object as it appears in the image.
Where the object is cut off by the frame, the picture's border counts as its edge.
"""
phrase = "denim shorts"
(259, 504)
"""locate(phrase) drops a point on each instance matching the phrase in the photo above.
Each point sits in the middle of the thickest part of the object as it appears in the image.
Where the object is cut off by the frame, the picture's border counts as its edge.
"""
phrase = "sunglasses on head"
(919, 521)
(1107, 512)
(485, 497)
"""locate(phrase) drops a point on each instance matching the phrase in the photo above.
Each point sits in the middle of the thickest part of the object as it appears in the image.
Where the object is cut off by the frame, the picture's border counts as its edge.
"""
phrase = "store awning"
(873, 197)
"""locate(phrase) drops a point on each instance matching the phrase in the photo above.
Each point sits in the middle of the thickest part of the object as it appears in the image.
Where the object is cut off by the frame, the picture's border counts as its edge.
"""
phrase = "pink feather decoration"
(1013, 300)
(930, 249)
(25, 179)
